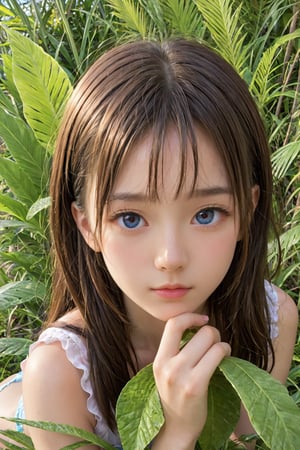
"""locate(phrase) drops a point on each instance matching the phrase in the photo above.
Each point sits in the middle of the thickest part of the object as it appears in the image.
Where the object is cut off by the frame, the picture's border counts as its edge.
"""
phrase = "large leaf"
(139, 414)
(140, 417)
(20, 292)
(223, 413)
(43, 86)
(23, 146)
(273, 414)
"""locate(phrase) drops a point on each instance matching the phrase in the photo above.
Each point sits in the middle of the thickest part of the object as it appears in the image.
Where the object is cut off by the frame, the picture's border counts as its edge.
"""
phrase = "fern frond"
(283, 158)
(224, 26)
(263, 78)
(132, 16)
(183, 17)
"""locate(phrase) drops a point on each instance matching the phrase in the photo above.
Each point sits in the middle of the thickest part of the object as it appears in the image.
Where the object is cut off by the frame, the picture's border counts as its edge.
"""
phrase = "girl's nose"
(171, 254)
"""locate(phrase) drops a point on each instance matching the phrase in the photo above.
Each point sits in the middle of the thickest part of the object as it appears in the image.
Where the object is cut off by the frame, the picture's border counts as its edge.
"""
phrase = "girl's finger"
(210, 361)
(200, 343)
(174, 329)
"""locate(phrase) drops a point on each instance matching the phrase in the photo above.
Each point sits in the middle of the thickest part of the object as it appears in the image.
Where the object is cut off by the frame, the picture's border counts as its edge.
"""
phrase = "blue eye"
(130, 220)
(207, 216)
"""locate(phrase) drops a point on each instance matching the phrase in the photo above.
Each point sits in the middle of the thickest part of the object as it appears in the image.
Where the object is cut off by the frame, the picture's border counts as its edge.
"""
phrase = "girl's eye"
(208, 216)
(130, 220)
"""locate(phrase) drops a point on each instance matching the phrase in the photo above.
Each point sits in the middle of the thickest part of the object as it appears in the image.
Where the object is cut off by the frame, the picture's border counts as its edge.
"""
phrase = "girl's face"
(167, 255)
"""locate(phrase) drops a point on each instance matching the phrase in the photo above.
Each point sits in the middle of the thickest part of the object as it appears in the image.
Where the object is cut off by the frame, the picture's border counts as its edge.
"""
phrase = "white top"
(76, 352)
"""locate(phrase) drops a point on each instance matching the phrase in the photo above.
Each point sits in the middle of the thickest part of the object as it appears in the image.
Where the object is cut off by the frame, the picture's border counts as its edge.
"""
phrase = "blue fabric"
(20, 408)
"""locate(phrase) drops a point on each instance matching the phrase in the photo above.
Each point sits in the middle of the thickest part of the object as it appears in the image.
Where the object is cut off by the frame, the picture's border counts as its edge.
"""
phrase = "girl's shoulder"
(58, 362)
(52, 383)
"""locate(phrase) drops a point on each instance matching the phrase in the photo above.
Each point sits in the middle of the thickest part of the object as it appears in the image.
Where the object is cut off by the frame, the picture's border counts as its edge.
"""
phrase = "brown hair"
(131, 89)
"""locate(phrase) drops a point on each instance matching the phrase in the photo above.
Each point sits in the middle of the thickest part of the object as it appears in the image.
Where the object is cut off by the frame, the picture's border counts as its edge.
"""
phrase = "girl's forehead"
(134, 173)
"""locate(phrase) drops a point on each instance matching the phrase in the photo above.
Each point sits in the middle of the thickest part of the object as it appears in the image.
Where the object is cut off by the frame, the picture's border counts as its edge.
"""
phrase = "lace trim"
(273, 305)
(76, 353)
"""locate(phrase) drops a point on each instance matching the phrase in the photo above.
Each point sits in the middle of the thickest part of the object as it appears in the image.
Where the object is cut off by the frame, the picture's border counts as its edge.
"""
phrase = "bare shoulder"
(48, 363)
(49, 373)
(52, 392)
(284, 343)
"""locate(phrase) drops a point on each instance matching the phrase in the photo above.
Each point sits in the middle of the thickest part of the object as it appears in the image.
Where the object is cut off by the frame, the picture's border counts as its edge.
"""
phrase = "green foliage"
(42, 85)
(44, 47)
(222, 20)
(139, 425)
(139, 416)
(27, 132)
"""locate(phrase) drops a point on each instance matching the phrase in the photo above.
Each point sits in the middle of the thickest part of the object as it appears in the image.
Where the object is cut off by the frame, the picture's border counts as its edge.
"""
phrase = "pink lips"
(171, 291)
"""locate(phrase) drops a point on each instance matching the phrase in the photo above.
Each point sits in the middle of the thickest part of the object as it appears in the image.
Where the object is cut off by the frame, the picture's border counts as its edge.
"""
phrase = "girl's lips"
(171, 291)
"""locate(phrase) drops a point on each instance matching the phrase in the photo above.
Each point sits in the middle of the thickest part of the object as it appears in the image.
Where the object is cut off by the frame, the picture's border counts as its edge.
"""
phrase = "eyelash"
(122, 214)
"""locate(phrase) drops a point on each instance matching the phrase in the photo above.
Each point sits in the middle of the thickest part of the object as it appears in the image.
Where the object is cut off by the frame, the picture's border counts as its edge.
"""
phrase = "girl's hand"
(182, 378)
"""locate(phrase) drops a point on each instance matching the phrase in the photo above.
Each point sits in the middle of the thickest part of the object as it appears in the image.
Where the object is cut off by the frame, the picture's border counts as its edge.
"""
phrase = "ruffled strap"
(76, 352)
(273, 306)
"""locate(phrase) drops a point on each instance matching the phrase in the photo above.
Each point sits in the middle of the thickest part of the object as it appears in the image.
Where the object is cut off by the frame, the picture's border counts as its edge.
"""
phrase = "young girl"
(161, 212)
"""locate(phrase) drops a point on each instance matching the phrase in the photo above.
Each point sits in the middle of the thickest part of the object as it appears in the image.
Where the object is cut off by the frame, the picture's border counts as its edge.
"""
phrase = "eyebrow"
(141, 197)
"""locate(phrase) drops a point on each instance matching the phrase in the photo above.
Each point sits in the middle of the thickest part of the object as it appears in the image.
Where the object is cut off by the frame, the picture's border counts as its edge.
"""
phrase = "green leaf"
(39, 205)
(43, 86)
(223, 413)
(88, 437)
(9, 81)
(284, 157)
(23, 146)
(14, 346)
(22, 258)
(6, 103)
(273, 414)
(138, 412)
(12, 206)
(20, 292)
(18, 181)
(21, 438)
(9, 223)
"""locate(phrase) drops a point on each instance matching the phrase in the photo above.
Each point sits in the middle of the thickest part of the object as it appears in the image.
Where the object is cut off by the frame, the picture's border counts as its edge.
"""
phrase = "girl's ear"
(84, 227)
(255, 196)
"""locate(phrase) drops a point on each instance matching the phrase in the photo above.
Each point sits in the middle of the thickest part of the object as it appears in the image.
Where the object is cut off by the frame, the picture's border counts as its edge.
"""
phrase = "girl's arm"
(52, 392)
(283, 347)
(182, 378)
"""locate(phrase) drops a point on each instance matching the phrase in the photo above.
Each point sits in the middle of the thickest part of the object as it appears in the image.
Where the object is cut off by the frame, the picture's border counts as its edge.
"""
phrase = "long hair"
(146, 86)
